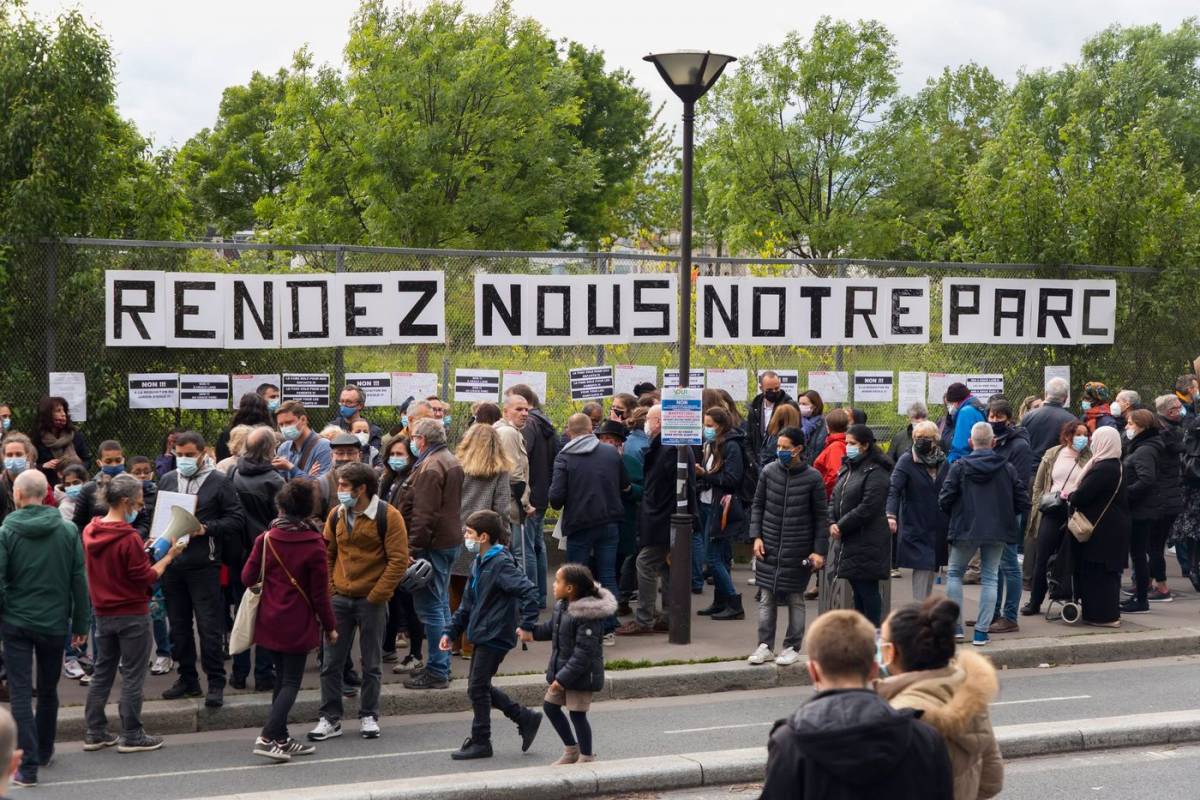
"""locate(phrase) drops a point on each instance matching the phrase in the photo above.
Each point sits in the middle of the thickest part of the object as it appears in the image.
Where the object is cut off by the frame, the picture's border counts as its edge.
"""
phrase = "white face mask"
(806, 411)
(363, 438)
(1116, 409)
(1131, 433)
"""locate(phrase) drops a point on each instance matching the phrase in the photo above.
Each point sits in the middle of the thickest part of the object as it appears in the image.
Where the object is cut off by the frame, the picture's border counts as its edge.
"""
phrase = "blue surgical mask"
(446, 420)
(112, 470)
(290, 432)
(853, 451)
(1085, 405)
(186, 465)
(1079, 443)
(345, 498)
(710, 434)
(130, 516)
(273, 405)
(472, 545)
(347, 411)
(404, 420)
(785, 457)
(416, 451)
(6, 422)
(16, 465)
(74, 491)
(397, 463)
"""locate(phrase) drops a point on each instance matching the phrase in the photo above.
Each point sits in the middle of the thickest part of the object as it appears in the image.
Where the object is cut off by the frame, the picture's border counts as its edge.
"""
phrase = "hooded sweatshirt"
(43, 586)
(849, 744)
(589, 478)
(983, 496)
(118, 569)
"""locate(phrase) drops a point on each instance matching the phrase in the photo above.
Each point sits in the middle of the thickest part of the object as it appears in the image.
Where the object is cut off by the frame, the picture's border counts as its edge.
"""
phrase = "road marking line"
(258, 766)
(1044, 700)
(721, 727)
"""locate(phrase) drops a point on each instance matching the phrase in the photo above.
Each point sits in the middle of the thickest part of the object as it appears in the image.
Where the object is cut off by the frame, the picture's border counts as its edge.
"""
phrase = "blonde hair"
(330, 431)
(481, 454)
(842, 643)
(17, 437)
(237, 438)
(786, 416)
(925, 426)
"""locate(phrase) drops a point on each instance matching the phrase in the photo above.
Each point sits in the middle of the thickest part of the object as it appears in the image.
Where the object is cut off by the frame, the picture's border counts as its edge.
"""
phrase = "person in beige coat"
(953, 691)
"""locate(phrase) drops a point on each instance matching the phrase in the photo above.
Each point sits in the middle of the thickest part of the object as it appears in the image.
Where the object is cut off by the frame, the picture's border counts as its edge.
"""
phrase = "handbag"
(1052, 501)
(1081, 527)
(241, 638)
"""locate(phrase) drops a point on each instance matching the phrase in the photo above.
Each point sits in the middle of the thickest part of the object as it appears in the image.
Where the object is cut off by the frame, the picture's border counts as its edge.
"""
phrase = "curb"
(249, 710)
(693, 770)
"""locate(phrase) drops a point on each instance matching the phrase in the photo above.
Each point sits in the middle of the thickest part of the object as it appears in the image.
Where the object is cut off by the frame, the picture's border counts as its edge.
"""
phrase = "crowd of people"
(407, 541)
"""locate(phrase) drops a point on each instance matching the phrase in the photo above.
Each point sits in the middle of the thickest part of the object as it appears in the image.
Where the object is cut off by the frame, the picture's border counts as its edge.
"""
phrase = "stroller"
(1060, 583)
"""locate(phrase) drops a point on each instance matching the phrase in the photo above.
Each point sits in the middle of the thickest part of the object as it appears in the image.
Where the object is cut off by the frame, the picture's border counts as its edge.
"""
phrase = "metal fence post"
(339, 355)
(51, 305)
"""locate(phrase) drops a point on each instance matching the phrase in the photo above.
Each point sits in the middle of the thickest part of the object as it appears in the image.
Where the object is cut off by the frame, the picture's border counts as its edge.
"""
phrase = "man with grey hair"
(902, 440)
(429, 502)
(1045, 423)
(1127, 400)
(981, 494)
(43, 598)
(510, 427)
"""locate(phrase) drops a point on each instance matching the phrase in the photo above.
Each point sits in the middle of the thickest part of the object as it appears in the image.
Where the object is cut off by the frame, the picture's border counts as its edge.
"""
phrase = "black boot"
(733, 609)
(718, 605)
(528, 726)
(472, 749)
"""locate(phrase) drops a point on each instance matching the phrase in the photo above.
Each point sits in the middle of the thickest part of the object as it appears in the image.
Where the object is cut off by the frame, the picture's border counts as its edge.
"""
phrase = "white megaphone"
(183, 523)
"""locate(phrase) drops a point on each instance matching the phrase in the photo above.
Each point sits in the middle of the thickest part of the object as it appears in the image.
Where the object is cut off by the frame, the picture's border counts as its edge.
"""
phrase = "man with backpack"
(366, 545)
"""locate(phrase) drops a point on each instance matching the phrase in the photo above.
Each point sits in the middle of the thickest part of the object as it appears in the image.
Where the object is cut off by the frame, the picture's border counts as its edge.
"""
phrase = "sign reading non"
(591, 383)
(682, 417)
(311, 389)
(377, 386)
(476, 384)
(873, 386)
(204, 391)
(153, 390)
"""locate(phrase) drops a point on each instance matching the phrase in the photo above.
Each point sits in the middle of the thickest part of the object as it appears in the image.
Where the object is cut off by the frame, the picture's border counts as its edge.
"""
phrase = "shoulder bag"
(1081, 527)
(242, 636)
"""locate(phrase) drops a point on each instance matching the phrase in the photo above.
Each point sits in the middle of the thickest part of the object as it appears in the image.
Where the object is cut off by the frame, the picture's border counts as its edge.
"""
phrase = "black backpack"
(746, 490)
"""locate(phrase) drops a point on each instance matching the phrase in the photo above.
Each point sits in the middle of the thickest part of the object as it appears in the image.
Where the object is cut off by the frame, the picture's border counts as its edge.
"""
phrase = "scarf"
(1094, 413)
(292, 525)
(1105, 445)
(62, 445)
(933, 460)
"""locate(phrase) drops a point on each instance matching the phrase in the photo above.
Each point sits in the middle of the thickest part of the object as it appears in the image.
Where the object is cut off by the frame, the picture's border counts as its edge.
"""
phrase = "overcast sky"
(174, 58)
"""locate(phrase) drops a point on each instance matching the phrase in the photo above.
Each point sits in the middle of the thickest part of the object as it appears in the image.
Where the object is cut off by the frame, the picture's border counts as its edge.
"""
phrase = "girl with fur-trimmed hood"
(953, 692)
(575, 631)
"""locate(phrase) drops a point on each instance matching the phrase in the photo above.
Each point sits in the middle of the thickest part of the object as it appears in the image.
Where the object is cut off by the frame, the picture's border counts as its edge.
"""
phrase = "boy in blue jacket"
(497, 599)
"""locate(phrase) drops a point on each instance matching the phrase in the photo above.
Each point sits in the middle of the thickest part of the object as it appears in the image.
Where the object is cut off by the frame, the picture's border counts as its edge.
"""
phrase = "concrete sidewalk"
(719, 768)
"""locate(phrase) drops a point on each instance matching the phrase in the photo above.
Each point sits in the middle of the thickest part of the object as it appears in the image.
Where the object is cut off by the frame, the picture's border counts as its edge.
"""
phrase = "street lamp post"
(689, 75)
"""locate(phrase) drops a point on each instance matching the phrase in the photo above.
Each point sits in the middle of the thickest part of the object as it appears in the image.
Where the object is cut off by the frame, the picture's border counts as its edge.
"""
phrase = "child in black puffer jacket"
(576, 669)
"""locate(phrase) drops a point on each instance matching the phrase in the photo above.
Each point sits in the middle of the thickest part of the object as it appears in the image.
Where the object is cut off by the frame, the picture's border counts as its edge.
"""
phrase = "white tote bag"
(241, 638)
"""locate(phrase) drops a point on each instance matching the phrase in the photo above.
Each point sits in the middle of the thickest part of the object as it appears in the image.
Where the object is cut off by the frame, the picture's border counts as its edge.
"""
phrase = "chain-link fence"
(52, 318)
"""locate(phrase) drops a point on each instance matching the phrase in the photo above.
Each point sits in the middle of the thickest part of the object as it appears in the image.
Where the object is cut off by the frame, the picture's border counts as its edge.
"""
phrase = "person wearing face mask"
(120, 577)
(66, 494)
(1012, 442)
(1127, 402)
(965, 409)
(56, 436)
(269, 392)
(90, 502)
(19, 455)
(1102, 497)
(829, 462)
(1097, 413)
(790, 531)
(1187, 391)
(1058, 476)
(758, 415)
(724, 514)
(361, 429)
(303, 453)
(912, 507)
(6, 418)
(252, 410)
(1145, 453)
(192, 584)
(351, 402)
(902, 440)
(1169, 415)
(812, 421)
(366, 544)
(404, 628)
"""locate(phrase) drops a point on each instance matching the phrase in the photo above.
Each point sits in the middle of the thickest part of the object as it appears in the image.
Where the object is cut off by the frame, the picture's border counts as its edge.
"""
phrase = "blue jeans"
(720, 553)
(989, 569)
(432, 605)
(535, 553)
(162, 638)
(700, 547)
(1008, 592)
(601, 542)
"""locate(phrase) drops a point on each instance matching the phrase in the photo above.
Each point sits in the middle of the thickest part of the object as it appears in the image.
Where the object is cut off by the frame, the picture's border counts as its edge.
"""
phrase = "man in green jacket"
(43, 597)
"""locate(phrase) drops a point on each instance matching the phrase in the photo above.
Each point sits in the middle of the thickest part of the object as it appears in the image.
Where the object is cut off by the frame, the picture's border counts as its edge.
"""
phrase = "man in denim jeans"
(541, 447)
(1012, 442)
(982, 494)
(429, 501)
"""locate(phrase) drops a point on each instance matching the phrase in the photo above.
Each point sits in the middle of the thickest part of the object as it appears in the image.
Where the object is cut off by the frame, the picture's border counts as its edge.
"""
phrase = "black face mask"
(772, 395)
(923, 446)
(999, 428)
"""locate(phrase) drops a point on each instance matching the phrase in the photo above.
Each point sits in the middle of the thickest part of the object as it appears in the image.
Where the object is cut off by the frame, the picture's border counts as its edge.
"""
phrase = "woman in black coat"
(789, 525)
(1142, 480)
(912, 507)
(858, 522)
(725, 519)
(56, 437)
(1101, 497)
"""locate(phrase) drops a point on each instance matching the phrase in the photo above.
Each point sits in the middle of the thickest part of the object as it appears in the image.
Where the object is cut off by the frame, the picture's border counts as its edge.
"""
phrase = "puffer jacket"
(727, 481)
(1143, 475)
(789, 515)
(954, 700)
(1170, 479)
(575, 631)
(858, 506)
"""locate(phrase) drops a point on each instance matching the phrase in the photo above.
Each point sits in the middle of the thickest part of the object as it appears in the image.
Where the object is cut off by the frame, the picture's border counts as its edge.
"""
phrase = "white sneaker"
(368, 728)
(788, 657)
(410, 664)
(760, 656)
(162, 665)
(325, 730)
(72, 670)
(610, 639)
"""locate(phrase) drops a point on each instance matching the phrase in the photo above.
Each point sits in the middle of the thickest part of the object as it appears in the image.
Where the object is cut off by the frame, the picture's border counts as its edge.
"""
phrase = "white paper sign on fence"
(873, 386)
(984, 386)
(912, 390)
(832, 386)
(789, 380)
(734, 381)
(627, 376)
(939, 382)
(311, 389)
(204, 392)
(377, 386)
(154, 390)
(1064, 372)
(413, 386)
(534, 380)
(72, 387)
(476, 384)
(671, 379)
(591, 383)
(248, 384)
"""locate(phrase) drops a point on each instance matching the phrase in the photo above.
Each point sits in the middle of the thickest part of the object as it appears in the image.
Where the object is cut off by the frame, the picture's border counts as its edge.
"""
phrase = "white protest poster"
(413, 386)
(627, 376)
(734, 381)
(834, 387)
(671, 379)
(591, 383)
(304, 315)
(939, 382)
(534, 380)
(163, 503)
(789, 380)
(912, 390)
(248, 384)
(204, 391)
(476, 384)
(251, 314)
(198, 302)
(377, 386)
(984, 386)
(682, 416)
(1064, 372)
(72, 387)
(135, 305)
(873, 386)
(311, 389)
(153, 390)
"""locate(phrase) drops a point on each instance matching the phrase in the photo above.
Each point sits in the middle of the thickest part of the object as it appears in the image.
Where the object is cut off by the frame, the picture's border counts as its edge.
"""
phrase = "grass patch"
(622, 664)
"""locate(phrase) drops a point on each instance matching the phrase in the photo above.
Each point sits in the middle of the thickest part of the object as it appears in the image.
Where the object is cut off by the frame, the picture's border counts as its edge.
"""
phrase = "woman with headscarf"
(1101, 498)
(1096, 412)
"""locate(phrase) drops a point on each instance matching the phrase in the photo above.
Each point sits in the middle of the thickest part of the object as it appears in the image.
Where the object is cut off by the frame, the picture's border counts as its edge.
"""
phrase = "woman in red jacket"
(289, 561)
(829, 462)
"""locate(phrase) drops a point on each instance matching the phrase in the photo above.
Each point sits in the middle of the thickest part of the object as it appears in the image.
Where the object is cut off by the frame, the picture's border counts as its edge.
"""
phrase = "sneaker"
(99, 741)
(72, 670)
(760, 656)
(981, 639)
(897, 573)
(471, 749)
(162, 665)
(751, 581)
(632, 628)
(1155, 596)
(273, 750)
(181, 689)
(424, 680)
(19, 778)
(1132, 606)
(788, 657)
(294, 747)
(140, 744)
(610, 639)
(368, 728)
(85, 680)
(391, 658)
(325, 730)
(1004, 625)
(410, 663)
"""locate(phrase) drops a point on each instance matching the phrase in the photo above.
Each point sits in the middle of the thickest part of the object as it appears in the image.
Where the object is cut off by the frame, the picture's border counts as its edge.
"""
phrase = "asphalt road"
(217, 763)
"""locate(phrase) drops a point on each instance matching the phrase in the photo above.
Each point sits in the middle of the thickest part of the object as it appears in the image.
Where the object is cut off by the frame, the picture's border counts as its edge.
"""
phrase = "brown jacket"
(955, 702)
(429, 501)
(360, 564)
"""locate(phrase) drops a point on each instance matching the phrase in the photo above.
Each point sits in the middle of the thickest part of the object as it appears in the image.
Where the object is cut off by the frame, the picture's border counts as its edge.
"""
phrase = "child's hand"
(444, 644)
(558, 687)
(524, 635)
